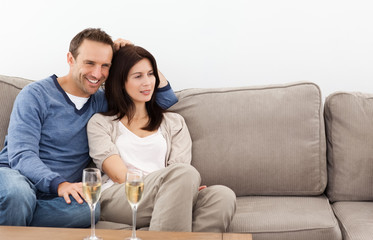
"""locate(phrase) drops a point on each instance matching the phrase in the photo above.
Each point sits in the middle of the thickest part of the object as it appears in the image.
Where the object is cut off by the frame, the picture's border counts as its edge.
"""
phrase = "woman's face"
(140, 81)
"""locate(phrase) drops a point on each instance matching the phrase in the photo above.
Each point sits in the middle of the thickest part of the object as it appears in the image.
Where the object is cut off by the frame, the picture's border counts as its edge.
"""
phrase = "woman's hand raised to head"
(120, 42)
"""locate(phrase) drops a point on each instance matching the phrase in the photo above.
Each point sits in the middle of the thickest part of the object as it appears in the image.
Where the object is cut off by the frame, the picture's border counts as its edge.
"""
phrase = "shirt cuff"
(166, 97)
(53, 188)
(165, 88)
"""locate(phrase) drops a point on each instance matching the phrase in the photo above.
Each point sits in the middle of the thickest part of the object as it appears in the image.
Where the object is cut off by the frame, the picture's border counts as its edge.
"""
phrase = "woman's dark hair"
(120, 103)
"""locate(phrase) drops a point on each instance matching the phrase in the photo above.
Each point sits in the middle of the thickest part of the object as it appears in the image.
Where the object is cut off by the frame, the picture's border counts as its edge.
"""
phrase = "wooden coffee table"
(39, 233)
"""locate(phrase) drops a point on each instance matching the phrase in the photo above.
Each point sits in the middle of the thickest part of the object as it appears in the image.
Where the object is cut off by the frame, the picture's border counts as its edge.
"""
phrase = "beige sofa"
(295, 176)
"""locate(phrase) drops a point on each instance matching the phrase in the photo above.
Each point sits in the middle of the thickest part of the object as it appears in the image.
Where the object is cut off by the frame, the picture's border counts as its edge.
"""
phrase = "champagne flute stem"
(92, 207)
(134, 211)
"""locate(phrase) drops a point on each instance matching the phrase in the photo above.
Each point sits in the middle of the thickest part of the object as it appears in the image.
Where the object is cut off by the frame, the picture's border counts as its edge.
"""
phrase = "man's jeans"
(22, 205)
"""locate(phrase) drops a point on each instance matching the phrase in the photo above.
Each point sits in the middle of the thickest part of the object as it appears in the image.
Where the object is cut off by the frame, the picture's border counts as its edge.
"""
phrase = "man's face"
(90, 68)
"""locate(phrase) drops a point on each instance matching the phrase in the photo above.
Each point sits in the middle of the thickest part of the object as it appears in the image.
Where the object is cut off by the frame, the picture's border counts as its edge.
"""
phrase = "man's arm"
(165, 96)
(24, 133)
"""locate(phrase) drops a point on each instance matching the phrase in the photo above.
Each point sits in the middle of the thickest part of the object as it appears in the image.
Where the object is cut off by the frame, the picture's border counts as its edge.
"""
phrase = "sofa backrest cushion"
(9, 89)
(267, 140)
(349, 130)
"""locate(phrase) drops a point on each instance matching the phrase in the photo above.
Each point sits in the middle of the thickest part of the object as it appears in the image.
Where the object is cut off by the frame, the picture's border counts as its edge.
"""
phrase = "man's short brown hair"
(93, 34)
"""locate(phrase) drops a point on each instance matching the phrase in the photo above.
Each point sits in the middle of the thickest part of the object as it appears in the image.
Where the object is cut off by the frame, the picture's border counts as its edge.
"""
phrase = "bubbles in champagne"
(91, 192)
(134, 190)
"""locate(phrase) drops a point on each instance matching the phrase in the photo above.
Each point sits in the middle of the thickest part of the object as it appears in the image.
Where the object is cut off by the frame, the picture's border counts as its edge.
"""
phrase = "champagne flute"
(92, 192)
(134, 190)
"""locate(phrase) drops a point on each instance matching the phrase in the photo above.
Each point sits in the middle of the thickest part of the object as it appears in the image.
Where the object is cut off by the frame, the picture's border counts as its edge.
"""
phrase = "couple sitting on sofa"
(46, 148)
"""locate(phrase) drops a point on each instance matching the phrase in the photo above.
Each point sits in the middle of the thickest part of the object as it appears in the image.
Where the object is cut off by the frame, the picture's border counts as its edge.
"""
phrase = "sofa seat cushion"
(356, 219)
(275, 217)
(112, 225)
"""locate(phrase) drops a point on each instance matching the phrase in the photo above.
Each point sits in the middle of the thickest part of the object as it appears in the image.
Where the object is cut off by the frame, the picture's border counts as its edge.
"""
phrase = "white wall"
(203, 43)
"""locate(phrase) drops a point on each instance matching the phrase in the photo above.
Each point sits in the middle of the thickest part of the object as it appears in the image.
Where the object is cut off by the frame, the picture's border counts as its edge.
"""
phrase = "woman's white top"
(147, 154)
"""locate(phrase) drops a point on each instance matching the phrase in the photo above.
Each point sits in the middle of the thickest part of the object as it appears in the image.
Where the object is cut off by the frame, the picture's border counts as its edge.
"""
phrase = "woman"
(136, 133)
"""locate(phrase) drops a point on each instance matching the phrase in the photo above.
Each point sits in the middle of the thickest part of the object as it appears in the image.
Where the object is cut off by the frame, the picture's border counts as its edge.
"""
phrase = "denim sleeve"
(24, 135)
(165, 97)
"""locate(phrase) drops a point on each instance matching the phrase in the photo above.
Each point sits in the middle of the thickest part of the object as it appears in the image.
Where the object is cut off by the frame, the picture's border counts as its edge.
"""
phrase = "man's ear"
(70, 59)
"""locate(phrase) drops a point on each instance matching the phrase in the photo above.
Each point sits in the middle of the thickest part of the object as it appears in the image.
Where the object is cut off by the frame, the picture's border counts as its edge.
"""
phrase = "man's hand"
(120, 42)
(66, 189)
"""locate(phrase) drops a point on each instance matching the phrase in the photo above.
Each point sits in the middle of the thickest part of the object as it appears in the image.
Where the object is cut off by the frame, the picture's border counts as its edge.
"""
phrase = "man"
(46, 148)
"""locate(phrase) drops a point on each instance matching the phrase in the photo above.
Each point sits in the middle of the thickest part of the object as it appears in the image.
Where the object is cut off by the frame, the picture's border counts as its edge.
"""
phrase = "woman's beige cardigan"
(103, 132)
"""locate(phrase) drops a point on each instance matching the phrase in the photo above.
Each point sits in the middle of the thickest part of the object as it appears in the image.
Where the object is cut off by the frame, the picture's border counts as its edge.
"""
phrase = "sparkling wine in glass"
(92, 192)
(134, 190)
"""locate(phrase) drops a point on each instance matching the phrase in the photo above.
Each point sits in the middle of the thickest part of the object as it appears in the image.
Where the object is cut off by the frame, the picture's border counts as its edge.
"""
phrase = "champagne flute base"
(93, 238)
